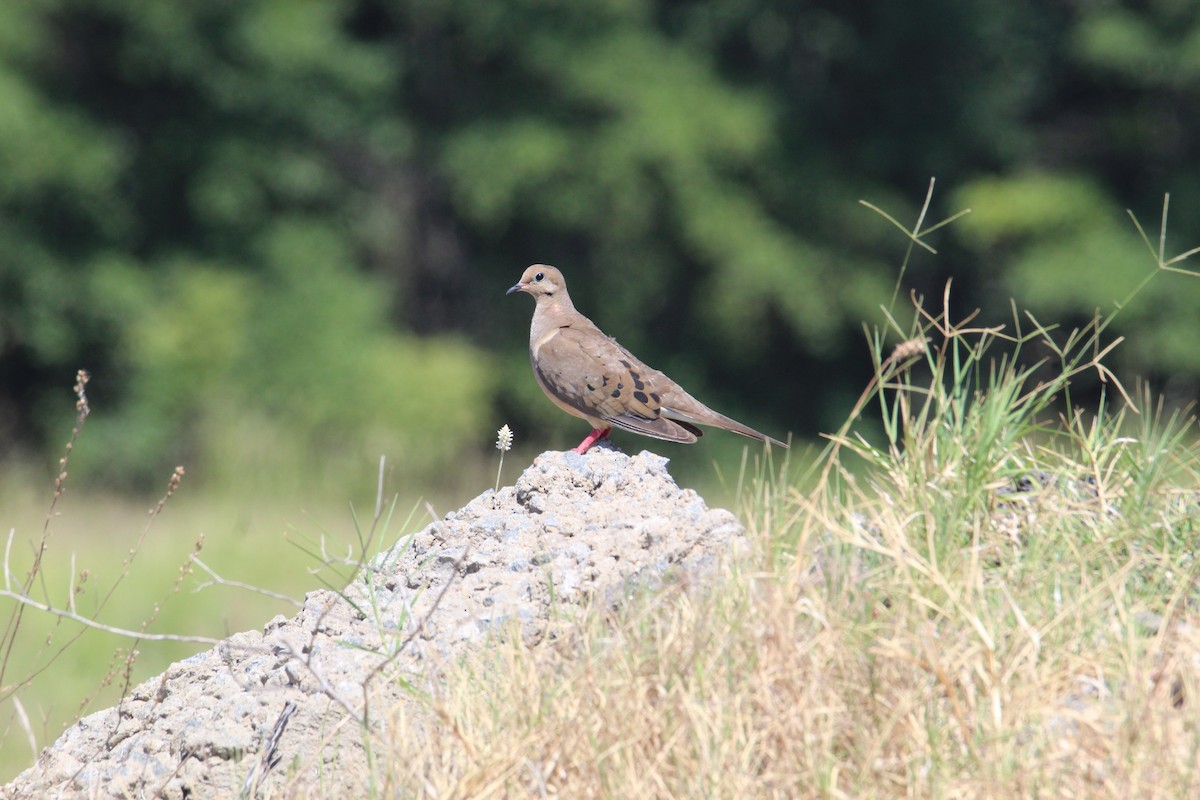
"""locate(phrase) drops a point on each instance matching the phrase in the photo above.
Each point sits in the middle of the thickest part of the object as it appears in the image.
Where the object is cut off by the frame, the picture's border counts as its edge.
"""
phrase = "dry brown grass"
(896, 682)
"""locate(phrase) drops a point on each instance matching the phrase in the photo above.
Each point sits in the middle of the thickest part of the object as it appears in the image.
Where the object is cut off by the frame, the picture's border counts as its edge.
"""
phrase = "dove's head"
(543, 282)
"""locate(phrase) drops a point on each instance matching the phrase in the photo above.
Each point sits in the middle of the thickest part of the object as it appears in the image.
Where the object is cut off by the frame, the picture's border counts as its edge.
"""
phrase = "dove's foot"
(596, 435)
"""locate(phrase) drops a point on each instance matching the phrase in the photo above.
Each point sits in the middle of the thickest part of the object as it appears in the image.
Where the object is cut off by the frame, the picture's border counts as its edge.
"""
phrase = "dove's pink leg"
(596, 435)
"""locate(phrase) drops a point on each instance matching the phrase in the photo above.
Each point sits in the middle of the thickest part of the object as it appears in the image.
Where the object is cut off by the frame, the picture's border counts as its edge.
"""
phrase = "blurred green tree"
(279, 230)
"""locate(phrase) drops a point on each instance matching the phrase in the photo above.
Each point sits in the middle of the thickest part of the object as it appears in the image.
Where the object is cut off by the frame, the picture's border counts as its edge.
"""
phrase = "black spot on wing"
(641, 397)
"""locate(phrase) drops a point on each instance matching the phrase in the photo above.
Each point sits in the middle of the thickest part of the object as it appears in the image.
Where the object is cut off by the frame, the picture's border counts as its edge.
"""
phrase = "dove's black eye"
(539, 276)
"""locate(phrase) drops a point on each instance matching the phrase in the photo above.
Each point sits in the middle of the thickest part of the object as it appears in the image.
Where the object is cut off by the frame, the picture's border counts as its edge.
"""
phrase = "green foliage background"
(278, 232)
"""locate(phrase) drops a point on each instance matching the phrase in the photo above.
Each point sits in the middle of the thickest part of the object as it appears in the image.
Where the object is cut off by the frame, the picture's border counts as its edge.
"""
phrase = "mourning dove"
(590, 376)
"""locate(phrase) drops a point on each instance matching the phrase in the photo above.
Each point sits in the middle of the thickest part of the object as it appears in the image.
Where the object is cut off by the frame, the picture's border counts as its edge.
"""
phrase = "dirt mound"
(304, 692)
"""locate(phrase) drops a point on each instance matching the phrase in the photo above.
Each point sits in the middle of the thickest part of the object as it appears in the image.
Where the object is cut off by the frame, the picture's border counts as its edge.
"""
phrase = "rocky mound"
(303, 692)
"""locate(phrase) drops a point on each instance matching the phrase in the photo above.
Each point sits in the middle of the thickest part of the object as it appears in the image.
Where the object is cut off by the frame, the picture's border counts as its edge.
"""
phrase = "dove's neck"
(551, 314)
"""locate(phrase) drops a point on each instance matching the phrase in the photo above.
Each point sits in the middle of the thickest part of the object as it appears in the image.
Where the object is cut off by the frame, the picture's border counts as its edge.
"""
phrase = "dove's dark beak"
(520, 287)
